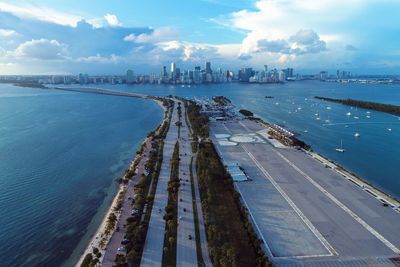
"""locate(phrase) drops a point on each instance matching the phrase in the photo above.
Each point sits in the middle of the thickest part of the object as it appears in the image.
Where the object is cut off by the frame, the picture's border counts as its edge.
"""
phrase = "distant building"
(164, 74)
(208, 68)
(281, 76)
(323, 75)
(130, 78)
(173, 71)
(245, 74)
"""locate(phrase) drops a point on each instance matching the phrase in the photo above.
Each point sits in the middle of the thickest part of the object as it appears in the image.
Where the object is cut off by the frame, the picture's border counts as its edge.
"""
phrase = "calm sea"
(60, 154)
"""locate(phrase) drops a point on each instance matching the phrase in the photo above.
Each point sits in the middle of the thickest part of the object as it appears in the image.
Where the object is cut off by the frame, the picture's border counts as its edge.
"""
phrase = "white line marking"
(314, 230)
(342, 206)
(324, 242)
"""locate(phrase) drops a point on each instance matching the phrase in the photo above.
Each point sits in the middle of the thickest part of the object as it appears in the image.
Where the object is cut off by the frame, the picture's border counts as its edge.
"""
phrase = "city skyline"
(100, 38)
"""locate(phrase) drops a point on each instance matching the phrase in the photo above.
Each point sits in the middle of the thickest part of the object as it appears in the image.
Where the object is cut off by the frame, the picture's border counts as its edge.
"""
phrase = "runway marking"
(342, 206)
(307, 222)
(312, 228)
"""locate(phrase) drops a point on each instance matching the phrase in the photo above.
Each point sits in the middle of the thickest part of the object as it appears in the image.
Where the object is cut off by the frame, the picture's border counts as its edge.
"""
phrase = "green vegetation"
(231, 238)
(171, 212)
(392, 109)
(246, 113)
(136, 230)
(198, 121)
(221, 100)
(200, 260)
(194, 147)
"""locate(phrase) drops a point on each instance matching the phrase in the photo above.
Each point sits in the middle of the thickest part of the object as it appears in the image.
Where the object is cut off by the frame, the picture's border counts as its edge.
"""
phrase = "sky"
(109, 37)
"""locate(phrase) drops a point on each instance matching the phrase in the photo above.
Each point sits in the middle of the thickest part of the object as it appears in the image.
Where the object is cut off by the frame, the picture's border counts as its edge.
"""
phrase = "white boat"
(355, 117)
(329, 108)
(306, 131)
(389, 129)
(368, 112)
(341, 149)
(348, 113)
(276, 103)
(368, 116)
(357, 135)
(318, 118)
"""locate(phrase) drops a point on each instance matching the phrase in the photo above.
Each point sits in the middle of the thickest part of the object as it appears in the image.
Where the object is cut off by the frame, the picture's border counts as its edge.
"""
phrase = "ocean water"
(374, 155)
(60, 154)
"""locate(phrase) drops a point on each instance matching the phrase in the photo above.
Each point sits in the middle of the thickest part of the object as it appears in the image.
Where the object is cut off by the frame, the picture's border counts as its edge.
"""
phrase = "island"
(388, 108)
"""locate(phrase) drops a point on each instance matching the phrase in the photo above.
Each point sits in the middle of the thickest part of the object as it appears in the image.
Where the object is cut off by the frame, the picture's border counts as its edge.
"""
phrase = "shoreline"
(95, 240)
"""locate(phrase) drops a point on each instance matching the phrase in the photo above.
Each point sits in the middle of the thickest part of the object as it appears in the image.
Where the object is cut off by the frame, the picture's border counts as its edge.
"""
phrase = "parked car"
(190, 237)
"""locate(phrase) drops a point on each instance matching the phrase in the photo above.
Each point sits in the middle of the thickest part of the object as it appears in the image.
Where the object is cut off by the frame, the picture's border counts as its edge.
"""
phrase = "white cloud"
(41, 13)
(7, 33)
(112, 20)
(113, 59)
(42, 49)
(158, 35)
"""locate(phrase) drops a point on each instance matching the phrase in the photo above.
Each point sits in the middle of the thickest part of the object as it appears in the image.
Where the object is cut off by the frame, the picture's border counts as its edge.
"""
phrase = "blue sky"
(107, 37)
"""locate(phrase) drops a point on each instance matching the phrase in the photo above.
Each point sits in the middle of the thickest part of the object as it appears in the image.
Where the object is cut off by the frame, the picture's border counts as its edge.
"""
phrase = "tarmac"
(305, 213)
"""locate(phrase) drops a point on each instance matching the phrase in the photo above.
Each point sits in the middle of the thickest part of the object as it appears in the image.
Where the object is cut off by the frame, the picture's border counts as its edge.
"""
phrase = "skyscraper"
(164, 74)
(173, 71)
(130, 77)
(208, 68)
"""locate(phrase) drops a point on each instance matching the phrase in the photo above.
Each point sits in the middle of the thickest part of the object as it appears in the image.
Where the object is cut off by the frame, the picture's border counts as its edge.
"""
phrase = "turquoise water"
(59, 156)
(375, 155)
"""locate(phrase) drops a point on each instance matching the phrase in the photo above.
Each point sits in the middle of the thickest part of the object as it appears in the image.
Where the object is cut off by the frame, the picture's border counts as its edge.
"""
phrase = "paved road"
(153, 248)
(186, 254)
(307, 214)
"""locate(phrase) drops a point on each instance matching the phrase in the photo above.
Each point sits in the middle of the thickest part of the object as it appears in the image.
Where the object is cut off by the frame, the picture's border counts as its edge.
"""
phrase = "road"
(186, 254)
(117, 237)
(153, 248)
(307, 214)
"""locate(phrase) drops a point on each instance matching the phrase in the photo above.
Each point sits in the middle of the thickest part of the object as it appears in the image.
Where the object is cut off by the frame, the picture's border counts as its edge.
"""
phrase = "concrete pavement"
(153, 248)
(307, 214)
(186, 254)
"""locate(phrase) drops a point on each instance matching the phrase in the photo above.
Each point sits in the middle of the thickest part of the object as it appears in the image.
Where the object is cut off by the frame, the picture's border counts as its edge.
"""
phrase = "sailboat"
(357, 135)
(341, 149)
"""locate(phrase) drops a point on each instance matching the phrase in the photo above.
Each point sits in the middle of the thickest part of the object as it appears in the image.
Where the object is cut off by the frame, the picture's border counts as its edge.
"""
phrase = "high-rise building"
(164, 74)
(323, 75)
(208, 68)
(282, 76)
(130, 78)
(173, 71)
(266, 68)
(245, 74)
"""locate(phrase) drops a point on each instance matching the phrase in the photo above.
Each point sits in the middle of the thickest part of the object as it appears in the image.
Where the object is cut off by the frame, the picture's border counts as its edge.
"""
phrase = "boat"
(318, 118)
(348, 113)
(357, 135)
(329, 108)
(341, 149)
(306, 131)
(356, 118)
(389, 129)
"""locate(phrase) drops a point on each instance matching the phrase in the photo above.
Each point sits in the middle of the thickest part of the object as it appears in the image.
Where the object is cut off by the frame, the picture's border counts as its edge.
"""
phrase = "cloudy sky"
(107, 37)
